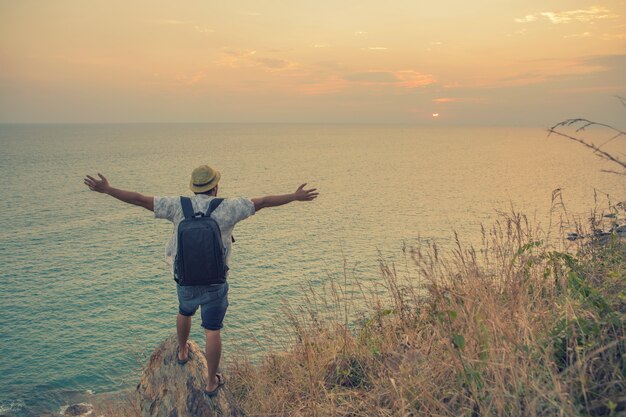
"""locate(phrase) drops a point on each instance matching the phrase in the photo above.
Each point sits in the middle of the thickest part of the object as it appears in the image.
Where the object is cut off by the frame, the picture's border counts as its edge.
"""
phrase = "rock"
(167, 389)
(79, 410)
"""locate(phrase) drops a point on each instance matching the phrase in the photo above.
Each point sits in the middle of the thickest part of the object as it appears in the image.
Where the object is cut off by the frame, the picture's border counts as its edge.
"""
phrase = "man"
(212, 299)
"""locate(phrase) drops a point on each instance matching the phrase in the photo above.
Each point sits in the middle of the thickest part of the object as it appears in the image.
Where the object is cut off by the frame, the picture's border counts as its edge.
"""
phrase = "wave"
(12, 406)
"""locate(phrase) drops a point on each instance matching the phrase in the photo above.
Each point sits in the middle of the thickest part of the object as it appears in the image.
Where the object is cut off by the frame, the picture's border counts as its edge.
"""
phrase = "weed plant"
(521, 326)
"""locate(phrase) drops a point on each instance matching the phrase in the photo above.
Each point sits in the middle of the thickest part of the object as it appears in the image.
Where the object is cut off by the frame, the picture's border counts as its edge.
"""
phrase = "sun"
(435, 114)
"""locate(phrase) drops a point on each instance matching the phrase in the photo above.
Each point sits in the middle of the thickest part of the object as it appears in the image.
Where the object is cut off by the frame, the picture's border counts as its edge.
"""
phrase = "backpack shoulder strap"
(213, 205)
(185, 202)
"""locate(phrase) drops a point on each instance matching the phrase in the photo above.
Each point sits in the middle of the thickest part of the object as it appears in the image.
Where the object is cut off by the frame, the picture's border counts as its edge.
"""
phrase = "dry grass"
(515, 328)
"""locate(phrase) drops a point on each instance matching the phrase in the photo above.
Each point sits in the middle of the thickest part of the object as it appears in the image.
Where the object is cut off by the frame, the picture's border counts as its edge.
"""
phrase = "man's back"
(227, 215)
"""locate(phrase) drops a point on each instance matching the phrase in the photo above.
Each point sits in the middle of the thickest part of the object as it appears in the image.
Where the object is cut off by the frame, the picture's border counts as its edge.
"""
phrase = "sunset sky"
(482, 62)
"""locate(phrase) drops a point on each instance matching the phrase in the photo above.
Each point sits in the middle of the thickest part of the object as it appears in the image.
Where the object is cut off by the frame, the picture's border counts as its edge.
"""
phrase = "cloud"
(375, 48)
(372, 77)
(203, 29)
(327, 85)
(239, 58)
(550, 71)
(373, 80)
(557, 69)
(329, 64)
(169, 22)
(459, 100)
(404, 78)
(235, 58)
(607, 61)
(578, 35)
(188, 24)
(320, 45)
(274, 63)
(613, 36)
(189, 79)
(238, 53)
(589, 15)
(414, 79)
(527, 18)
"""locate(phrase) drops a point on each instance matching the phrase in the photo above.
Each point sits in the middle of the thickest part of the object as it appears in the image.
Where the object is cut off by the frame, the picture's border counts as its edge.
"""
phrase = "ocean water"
(85, 294)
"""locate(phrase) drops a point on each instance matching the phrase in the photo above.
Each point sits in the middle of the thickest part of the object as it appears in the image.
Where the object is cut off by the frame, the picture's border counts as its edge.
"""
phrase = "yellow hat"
(203, 179)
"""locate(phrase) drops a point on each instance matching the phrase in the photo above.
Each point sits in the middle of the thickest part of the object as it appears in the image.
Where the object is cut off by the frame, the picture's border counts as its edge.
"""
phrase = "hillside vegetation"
(517, 327)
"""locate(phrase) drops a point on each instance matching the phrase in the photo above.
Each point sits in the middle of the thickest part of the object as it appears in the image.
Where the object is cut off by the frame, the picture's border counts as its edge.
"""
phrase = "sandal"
(220, 384)
(183, 361)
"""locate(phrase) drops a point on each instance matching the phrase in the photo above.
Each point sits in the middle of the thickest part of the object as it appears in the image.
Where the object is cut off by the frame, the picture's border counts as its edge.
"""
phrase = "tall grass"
(516, 327)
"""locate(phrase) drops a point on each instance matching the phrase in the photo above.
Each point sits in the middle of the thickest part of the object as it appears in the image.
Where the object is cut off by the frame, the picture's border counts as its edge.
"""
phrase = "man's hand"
(278, 200)
(305, 195)
(101, 186)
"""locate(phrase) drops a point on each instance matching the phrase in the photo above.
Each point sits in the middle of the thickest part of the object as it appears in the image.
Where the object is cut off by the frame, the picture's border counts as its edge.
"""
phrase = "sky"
(485, 62)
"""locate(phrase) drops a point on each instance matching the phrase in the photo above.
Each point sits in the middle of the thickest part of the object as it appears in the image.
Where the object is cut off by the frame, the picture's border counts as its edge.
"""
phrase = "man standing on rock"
(212, 299)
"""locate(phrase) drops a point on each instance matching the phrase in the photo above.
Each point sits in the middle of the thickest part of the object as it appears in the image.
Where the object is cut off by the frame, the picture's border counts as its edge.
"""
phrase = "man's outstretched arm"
(278, 200)
(102, 186)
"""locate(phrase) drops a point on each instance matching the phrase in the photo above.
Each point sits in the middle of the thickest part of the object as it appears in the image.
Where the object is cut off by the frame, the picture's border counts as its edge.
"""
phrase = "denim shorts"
(213, 300)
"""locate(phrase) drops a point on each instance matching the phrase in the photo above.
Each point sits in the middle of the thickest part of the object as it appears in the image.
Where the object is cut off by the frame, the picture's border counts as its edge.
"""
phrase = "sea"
(85, 294)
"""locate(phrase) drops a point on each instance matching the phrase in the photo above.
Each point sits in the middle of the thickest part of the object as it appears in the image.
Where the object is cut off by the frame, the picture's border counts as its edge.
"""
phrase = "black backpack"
(200, 253)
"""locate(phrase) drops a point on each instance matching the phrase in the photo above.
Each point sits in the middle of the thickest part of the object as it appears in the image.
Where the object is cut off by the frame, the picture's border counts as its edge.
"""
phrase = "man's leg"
(183, 326)
(213, 354)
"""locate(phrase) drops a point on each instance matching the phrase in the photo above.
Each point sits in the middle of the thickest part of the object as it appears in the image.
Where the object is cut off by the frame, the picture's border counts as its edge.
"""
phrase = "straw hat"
(203, 179)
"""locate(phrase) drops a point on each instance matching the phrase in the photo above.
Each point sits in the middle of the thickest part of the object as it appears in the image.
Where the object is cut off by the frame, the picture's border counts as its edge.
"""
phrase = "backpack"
(200, 253)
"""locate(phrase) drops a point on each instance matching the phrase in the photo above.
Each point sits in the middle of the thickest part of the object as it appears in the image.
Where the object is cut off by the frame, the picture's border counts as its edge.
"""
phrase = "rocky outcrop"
(79, 410)
(167, 389)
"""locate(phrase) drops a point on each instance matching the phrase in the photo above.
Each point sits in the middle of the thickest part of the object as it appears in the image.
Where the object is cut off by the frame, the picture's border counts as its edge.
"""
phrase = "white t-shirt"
(230, 212)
